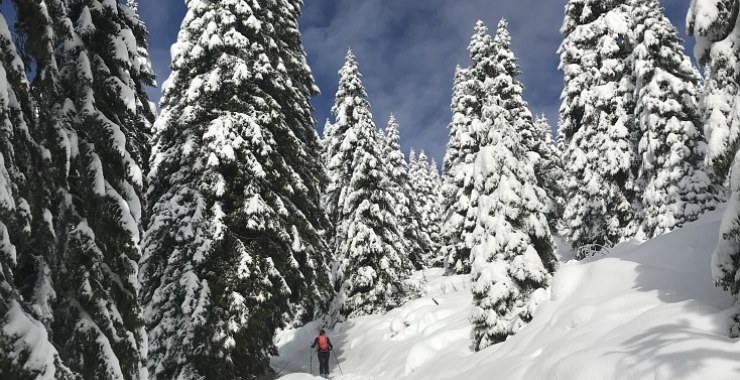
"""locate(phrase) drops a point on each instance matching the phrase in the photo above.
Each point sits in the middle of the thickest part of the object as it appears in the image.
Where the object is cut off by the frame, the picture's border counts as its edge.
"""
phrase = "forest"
(183, 239)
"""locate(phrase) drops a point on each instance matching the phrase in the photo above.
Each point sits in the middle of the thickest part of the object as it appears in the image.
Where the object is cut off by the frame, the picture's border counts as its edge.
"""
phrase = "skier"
(323, 349)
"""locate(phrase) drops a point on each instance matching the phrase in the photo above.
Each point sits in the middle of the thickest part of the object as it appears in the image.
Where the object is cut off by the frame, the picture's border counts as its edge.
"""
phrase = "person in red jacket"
(324, 346)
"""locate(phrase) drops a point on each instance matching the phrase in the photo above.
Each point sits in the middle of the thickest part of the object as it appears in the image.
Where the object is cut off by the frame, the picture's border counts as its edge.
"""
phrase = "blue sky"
(407, 51)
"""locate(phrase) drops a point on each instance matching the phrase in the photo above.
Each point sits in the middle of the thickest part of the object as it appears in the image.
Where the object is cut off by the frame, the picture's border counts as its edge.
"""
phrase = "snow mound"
(647, 311)
(299, 376)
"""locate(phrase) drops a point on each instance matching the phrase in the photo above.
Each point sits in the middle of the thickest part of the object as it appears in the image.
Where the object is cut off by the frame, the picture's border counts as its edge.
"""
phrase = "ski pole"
(310, 360)
(338, 366)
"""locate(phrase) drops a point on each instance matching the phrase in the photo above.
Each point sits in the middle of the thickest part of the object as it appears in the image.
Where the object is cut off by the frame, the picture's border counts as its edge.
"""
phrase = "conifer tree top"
(503, 37)
(481, 45)
(350, 85)
(392, 132)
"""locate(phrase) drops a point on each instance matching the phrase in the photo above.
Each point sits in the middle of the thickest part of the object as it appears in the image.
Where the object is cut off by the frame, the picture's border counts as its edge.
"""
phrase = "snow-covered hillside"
(646, 311)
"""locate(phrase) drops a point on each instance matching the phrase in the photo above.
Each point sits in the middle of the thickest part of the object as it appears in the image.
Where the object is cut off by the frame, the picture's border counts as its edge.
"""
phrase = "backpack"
(323, 343)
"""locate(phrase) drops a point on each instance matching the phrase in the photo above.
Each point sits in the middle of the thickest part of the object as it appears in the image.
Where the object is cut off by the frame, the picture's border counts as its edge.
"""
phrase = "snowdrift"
(647, 311)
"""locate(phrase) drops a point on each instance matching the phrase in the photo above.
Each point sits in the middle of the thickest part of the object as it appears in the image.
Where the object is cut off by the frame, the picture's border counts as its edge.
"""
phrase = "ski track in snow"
(647, 311)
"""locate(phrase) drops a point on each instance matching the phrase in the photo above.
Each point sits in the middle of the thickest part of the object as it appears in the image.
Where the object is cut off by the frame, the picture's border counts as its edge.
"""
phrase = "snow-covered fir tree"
(513, 253)
(433, 212)
(715, 25)
(234, 244)
(90, 105)
(508, 92)
(426, 195)
(100, 215)
(462, 151)
(417, 240)
(672, 182)
(535, 137)
(453, 164)
(370, 251)
(596, 122)
(305, 177)
(42, 25)
(548, 169)
(27, 351)
(726, 257)
(453, 157)
(337, 156)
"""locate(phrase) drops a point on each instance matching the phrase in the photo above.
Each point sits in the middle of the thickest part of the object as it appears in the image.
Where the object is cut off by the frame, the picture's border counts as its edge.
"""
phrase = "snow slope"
(646, 311)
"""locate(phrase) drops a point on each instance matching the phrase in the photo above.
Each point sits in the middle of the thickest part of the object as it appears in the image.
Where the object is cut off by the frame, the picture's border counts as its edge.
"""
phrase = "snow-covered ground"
(646, 311)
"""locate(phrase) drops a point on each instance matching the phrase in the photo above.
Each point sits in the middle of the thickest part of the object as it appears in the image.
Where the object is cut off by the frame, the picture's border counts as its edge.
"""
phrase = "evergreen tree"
(459, 130)
(508, 93)
(426, 196)
(306, 175)
(726, 257)
(337, 157)
(91, 108)
(535, 136)
(370, 249)
(513, 254)
(714, 25)
(234, 244)
(452, 156)
(459, 133)
(596, 122)
(328, 135)
(671, 179)
(434, 213)
(27, 351)
(459, 217)
(511, 92)
(41, 25)
(417, 241)
(100, 212)
(548, 169)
